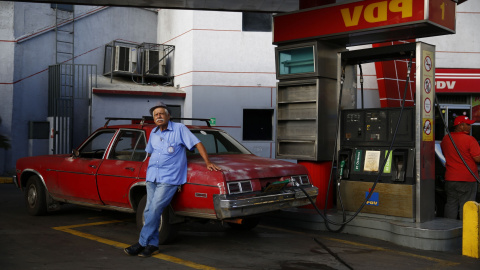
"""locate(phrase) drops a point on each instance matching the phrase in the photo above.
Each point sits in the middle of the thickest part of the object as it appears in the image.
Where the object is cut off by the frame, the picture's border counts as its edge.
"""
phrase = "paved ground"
(80, 238)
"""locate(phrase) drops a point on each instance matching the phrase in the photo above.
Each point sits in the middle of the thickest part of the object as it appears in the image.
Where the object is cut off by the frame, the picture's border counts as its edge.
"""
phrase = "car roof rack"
(150, 118)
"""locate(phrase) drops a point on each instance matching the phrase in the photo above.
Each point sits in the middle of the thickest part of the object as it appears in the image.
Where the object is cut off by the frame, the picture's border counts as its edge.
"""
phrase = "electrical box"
(38, 129)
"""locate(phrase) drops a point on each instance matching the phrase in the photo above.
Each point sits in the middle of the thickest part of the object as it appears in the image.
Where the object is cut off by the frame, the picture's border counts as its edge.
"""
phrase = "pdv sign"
(368, 21)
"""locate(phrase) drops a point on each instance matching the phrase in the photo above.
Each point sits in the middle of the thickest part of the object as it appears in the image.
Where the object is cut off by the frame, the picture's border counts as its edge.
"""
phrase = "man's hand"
(213, 167)
(203, 152)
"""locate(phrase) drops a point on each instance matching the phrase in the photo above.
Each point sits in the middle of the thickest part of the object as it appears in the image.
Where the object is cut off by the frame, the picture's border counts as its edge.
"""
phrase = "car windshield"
(96, 145)
(217, 142)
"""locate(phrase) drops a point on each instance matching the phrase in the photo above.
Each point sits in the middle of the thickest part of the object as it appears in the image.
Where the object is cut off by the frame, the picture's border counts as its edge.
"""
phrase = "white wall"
(222, 69)
(175, 27)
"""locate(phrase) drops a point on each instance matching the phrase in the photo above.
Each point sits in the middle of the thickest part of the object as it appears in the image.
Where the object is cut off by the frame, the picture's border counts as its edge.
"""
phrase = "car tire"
(166, 231)
(35, 197)
(246, 225)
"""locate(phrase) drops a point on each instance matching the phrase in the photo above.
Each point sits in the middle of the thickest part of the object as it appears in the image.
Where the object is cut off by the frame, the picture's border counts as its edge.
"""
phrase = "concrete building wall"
(229, 112)
(27, 41)
(234, 70)
(6, 75)
(125, 106)
(175, 27)
(222, 69)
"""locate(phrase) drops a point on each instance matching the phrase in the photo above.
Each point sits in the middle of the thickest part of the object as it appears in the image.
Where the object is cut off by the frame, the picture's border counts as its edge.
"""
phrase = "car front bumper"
(235, 207)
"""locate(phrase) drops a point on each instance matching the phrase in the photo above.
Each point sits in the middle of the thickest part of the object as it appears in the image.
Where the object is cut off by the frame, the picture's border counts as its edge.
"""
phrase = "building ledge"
(124, 87)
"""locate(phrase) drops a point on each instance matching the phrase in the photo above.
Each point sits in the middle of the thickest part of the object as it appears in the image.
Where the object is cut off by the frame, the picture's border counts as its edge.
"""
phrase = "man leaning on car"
(167, 170)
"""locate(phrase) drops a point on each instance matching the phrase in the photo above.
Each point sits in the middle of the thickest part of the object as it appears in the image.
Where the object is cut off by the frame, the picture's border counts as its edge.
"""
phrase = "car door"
(77, 176)
(121, 168)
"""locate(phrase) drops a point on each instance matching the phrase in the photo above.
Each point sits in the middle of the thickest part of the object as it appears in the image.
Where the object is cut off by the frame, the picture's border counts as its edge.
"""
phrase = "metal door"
(69, 104)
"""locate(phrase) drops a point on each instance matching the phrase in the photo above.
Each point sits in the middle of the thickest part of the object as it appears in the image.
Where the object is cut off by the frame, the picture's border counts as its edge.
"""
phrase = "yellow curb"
(471, 232)
(6, 180)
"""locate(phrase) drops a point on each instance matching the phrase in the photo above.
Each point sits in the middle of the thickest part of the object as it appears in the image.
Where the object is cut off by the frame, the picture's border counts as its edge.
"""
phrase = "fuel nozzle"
(342, 165)
(294, 183)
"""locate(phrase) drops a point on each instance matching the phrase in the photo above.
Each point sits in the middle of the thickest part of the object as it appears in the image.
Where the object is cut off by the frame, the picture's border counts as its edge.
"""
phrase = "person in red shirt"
(460, 185)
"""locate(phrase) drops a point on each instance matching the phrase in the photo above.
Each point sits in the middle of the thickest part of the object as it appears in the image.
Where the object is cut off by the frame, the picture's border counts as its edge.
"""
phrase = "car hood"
(248, 166)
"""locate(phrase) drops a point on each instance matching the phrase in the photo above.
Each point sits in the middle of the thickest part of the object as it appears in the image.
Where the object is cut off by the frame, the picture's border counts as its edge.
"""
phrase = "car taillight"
(240, 187)
(301, 179)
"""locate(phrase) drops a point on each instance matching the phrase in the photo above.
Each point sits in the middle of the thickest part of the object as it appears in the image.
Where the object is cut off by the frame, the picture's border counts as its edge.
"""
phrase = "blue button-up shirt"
(168, 160)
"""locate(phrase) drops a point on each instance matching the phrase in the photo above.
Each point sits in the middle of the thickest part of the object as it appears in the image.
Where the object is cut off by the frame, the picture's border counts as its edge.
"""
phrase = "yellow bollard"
(471, 232)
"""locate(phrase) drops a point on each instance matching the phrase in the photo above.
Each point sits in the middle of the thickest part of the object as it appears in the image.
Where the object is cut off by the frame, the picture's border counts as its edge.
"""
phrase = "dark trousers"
(458, 193)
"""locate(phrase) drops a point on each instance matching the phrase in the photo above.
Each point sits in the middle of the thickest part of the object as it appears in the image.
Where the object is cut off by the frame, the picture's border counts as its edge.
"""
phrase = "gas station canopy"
(269, 6)
(272, 6)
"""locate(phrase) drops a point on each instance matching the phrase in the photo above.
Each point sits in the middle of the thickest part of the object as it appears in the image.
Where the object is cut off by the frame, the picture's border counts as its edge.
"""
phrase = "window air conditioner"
(125, 59)
(152, 61)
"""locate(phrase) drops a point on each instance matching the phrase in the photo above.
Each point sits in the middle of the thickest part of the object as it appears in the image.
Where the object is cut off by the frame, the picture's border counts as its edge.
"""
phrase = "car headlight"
(301, 179)
(239, 187)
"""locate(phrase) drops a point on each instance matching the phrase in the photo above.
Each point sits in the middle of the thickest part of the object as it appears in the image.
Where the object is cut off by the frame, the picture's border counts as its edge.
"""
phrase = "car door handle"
(92, 166)
(130, 168)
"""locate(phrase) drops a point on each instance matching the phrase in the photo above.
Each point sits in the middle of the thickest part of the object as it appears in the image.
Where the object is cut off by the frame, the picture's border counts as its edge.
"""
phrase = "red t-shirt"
(469, 148)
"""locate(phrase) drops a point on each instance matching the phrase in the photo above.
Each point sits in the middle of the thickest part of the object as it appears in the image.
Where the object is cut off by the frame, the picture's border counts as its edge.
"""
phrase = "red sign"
(442, 12)
(353, 19)
(457, 80)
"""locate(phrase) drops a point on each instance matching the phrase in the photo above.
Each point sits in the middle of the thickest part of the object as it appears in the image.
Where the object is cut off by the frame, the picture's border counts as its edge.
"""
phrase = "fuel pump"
(365, 146)
(384, 170)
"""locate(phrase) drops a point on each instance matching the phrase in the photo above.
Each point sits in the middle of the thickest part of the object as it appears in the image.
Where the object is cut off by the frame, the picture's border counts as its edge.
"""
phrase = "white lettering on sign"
(376, 12)
(445, 84)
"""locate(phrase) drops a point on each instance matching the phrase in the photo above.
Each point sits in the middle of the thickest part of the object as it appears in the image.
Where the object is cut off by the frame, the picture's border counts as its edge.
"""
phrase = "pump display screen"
(377, 126)
(297, 60)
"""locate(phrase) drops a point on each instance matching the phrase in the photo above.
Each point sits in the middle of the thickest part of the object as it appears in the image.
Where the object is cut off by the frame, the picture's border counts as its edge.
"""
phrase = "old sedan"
(108, 170)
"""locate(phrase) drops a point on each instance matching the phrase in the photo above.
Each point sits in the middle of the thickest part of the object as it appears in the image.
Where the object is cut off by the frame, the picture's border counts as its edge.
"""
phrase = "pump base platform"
(440, 234)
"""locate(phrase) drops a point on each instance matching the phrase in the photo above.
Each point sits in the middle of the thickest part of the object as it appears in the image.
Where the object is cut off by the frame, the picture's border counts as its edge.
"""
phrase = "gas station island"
(378, 163)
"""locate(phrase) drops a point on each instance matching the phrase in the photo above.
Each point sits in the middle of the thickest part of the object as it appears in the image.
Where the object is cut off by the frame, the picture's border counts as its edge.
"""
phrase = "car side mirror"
(75, 153)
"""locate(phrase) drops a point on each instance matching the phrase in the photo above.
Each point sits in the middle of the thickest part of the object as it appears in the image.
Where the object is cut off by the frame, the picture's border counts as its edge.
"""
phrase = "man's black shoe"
(134, 249)
(148, 251)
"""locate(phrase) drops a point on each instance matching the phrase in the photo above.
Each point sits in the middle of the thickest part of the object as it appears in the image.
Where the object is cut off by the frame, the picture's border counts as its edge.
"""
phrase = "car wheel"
(35, 197)
(246, 225)
(167, 232)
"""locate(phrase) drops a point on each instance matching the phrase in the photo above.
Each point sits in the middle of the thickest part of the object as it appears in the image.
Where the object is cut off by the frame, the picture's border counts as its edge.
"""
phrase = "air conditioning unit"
(125, 59)
(153, 65)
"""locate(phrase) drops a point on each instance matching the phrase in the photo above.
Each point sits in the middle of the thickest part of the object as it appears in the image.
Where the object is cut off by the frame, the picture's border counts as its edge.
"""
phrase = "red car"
(108, 170)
